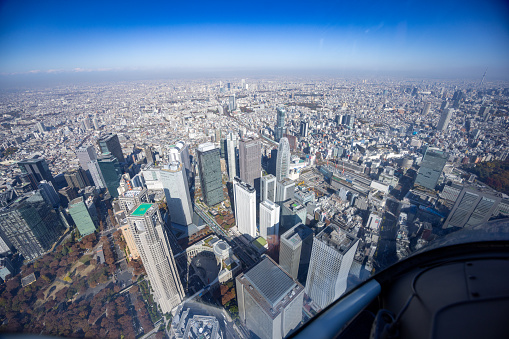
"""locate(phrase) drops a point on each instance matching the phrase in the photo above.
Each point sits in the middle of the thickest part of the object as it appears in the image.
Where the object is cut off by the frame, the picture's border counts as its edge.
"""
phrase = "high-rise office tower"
(48, 193)
(283, 160)
(232, 105)
(180, 152)
(209, 167)
(84, 215)
(484, 110)
(444, 105)
(292, 213)
(269, 220)
(472, 207)
(339, 119)
(30, 225)
(148, 154)
(445, 118)
(349, 120)
(40, 127)
(250, 161)
(304, 129)
(111, 173)
(425, 109)
(295, 251)
(95, 122)
(245, 207)
(331, 259)
(110, 143)
(67, 194)
(231, 155)
(270, 300)
(173, 181)
(95, 173)
(431, 168)
(268, 188)
(77, 178)
(131, 199)
(86, 154)
(279, 130)
(35, 170)
(153, 246)
(284, 190)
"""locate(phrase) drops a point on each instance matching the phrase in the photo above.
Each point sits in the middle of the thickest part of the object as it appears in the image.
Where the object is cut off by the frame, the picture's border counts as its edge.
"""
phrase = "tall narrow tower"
(283, 159)
(280, 124)
(154, 248)
(250, 161)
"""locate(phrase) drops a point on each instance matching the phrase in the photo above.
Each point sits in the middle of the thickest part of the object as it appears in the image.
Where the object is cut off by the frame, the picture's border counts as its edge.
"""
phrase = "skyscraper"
(48, 193)
(292, 213)
(331, 258)
(173, 181)
(269, 220)
(95, 173)
(279, 130)
(209, 167)
(270, 300)
(445, 117)
(283, 160)
(86, 154)
(77, 178)
(36, 170)
(30, 225)
(180, 152)
(304, 129)
(245, 207)
(425, 109)
(231, 155)
(153, 246)
(284, 190)
(111, 173)
(84, 215)
(149, 155)
(232, 105)
(431, 168)
(110, 143)
(295, 251)
(268, 188)
(250, 161)
(472, 207)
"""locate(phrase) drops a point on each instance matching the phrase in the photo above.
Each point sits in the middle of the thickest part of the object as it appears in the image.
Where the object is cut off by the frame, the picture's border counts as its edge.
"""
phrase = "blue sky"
(55, 36)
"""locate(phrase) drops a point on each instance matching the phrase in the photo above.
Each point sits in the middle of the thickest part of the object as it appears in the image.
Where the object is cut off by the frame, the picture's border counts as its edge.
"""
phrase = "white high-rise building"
(86, 154)
(268, 188)
(245, 207)
(180, 152)
(283, 159)
(173, 181)
(231, 155)
(154, 248)
(331, 259)
(269, 219)
(96, 174)
(285, 190)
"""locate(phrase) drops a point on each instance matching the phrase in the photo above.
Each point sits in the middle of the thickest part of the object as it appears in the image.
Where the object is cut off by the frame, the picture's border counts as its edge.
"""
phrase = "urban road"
(235, 243)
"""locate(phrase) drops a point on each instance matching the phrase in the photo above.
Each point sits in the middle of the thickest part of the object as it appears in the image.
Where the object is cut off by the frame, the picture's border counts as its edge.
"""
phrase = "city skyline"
(426, 38)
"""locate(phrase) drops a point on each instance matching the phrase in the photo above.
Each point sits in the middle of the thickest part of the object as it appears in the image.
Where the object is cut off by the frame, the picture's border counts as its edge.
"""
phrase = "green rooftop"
(141, 210)
(259, 242)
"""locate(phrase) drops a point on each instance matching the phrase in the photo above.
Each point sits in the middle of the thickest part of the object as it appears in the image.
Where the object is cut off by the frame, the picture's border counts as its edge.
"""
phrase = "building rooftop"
(336, 238)
(297, 234)
(141, 210)
(262, 278)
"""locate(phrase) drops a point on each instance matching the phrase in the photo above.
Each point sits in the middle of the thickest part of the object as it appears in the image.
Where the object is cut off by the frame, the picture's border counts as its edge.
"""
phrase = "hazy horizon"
(446, 39)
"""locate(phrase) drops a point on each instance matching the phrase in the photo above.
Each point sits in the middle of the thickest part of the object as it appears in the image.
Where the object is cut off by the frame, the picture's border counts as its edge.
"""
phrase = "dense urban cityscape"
(232, 208)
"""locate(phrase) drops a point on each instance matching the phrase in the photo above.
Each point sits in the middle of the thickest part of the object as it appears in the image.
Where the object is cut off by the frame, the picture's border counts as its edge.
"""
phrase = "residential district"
(227, 209)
